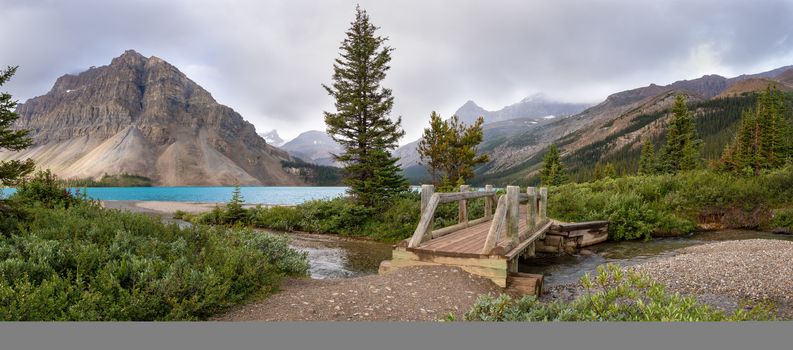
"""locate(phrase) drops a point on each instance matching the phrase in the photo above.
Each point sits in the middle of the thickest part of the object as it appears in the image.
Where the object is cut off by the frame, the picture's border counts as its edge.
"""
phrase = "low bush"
(641, 206)
(783, 220)
(62, 258)
(613, 295)
(394, 222)
(44, 189)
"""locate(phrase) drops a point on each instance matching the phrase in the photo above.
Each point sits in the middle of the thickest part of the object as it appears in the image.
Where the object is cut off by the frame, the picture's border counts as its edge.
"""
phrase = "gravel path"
(408, 294)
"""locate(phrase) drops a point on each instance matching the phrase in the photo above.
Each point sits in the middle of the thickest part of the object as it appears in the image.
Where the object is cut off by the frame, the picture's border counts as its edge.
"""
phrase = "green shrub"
(44, 189)
(613, 295)
(640, 206)
(342, 216)
(83, 262)
(783, 219)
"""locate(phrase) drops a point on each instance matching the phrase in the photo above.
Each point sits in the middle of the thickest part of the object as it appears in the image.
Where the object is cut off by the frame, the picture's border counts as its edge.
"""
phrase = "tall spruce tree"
(12, 140)
(361, 123)
(647, 162)
(682, 149)
(763, 138)
(553, 172)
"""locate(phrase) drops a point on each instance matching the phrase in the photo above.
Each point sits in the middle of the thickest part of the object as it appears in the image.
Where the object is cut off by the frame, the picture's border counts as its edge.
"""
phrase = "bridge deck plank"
(467, 241)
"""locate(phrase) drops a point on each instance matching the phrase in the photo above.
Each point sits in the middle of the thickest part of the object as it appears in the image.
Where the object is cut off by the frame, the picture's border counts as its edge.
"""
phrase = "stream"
(334, 256)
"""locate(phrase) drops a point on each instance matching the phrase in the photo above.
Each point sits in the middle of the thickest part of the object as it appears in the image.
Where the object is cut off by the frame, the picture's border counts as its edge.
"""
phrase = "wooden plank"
(543, 209)
(450, 229)
(513, 213)
(489, 202)
(531, 208)
(448, 197)
(567, 226)
(419, 235)
(496, 225)
(522, 245)
(494, 269)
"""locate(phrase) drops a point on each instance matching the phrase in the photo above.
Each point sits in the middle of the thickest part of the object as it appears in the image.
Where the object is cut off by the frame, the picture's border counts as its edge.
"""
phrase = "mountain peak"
(143, 116)
(535, 97)
(470, 104)
(129, 57)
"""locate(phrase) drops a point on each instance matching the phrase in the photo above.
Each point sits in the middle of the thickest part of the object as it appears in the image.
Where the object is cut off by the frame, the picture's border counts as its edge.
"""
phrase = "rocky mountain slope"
(314, 147)
(615, 125)
(143, 116)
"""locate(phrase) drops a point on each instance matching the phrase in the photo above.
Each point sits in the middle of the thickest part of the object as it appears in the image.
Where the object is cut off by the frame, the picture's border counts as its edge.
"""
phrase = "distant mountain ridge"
(143, 116)
(314, 146)
(516, 146)
(536, 105)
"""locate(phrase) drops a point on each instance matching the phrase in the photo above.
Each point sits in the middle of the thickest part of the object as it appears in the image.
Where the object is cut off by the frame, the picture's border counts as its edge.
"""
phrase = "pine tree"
(235, 211)
(682, 148)
(449, 149)
(361, 123)
(433, 147)
(597, 172)
(553, 172)
(609, 172)
(763, 137)
(12, 140)
(647, 161)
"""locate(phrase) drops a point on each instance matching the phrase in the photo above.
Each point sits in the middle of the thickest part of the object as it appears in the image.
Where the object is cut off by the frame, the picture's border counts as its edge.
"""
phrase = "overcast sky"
(268, 59)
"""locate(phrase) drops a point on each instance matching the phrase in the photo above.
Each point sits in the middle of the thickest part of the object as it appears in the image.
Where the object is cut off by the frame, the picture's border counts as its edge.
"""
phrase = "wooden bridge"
(491, 246)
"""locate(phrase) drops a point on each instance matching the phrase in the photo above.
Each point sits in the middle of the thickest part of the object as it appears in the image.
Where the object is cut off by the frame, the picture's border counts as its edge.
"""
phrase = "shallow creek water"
(339, 257)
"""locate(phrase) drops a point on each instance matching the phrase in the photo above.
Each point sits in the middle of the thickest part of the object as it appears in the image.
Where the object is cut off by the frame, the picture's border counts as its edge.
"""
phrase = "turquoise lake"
(252, 195)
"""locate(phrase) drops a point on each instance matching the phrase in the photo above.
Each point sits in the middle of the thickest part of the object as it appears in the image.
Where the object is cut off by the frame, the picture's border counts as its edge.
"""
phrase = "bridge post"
(426, 193)
(489, 202)
(462, 212)
(531, 220)
(513, 214)
(543, 204)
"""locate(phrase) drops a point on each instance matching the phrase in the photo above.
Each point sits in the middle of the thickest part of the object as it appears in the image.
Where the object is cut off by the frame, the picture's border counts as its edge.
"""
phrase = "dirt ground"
(408, 294)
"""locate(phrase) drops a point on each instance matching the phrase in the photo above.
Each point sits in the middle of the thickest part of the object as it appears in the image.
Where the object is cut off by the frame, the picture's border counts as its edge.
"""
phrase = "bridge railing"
(430, 201)
(506, 220)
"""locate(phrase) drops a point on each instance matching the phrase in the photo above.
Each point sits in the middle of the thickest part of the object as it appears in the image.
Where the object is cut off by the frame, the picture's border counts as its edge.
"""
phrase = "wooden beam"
(425, 223)
(448, 197)
(513, 213)
(462, 210)
(496, 225)
(426, 193)
(543, 210)
(489, 202)
(529, 240)
(531, 219)
(565, 226)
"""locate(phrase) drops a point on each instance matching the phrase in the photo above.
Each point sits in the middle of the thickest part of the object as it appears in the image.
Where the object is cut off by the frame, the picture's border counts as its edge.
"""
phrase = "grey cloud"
(267, 59)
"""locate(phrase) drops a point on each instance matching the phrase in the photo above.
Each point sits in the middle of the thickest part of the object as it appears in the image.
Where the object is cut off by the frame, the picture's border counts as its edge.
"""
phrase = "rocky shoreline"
(727, 275)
